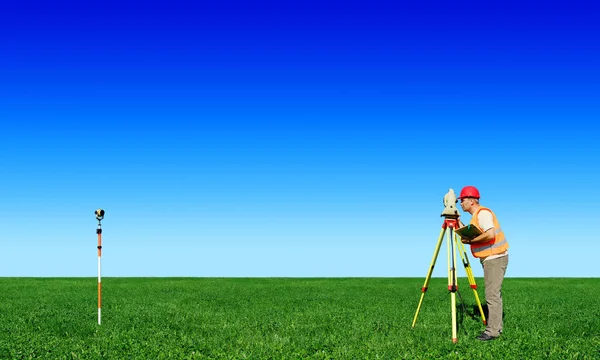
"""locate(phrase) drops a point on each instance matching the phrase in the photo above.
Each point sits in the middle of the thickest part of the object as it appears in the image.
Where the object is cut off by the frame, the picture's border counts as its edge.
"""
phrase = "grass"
(289, 318)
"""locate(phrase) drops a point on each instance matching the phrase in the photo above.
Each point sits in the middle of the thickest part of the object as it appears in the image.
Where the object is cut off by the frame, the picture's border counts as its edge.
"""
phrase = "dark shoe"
(486, 337)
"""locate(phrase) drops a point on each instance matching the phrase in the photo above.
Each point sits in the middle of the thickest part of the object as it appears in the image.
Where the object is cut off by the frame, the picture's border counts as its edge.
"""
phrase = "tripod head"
(450, 210)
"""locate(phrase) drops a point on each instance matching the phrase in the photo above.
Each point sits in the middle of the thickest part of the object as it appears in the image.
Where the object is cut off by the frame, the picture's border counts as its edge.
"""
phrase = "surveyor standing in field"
(491, 248)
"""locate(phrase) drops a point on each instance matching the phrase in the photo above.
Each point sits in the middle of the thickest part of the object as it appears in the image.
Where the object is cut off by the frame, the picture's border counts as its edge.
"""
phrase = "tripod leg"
(465, 259)
(431, 266)
(452, 279)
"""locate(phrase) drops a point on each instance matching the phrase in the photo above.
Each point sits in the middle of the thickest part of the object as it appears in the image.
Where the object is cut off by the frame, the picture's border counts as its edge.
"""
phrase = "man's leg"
(493, 272)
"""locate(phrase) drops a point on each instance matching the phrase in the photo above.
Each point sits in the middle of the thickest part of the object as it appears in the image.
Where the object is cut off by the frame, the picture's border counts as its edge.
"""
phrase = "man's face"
(466, 203)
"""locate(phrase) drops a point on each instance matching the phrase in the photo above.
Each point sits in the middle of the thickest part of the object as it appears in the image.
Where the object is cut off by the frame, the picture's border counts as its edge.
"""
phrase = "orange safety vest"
(497, 245)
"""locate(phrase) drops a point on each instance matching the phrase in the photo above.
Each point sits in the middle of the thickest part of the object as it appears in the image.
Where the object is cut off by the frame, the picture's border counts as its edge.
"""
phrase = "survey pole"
(99, 216)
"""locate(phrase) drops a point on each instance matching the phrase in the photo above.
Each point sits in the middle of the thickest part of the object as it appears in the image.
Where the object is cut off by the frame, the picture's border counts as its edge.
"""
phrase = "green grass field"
(289, 318)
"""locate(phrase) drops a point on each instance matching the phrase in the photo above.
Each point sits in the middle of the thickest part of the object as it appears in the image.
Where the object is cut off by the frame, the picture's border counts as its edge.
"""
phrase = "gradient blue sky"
(294, 138)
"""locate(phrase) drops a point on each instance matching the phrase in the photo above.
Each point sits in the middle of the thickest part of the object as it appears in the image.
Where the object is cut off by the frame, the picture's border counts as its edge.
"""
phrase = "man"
(491, 248)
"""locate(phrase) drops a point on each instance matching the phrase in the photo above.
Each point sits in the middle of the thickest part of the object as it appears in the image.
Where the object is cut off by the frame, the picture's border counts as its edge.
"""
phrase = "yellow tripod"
(453, 244)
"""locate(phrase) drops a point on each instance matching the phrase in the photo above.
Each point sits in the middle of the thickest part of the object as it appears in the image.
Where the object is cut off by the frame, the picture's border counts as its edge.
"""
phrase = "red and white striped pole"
(99, 216)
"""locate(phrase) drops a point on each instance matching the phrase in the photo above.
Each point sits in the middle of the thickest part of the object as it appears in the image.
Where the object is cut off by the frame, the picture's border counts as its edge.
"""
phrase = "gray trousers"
(493, 274)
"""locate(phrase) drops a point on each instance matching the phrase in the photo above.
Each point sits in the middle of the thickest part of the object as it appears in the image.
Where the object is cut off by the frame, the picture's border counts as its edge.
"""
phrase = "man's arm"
(485, 221)
(486, 236)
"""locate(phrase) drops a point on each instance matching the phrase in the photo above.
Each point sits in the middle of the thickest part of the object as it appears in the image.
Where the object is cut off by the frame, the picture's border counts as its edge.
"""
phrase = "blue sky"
(294, 139)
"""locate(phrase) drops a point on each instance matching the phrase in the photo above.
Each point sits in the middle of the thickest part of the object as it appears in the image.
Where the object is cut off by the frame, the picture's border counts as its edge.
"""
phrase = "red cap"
(469, 192)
